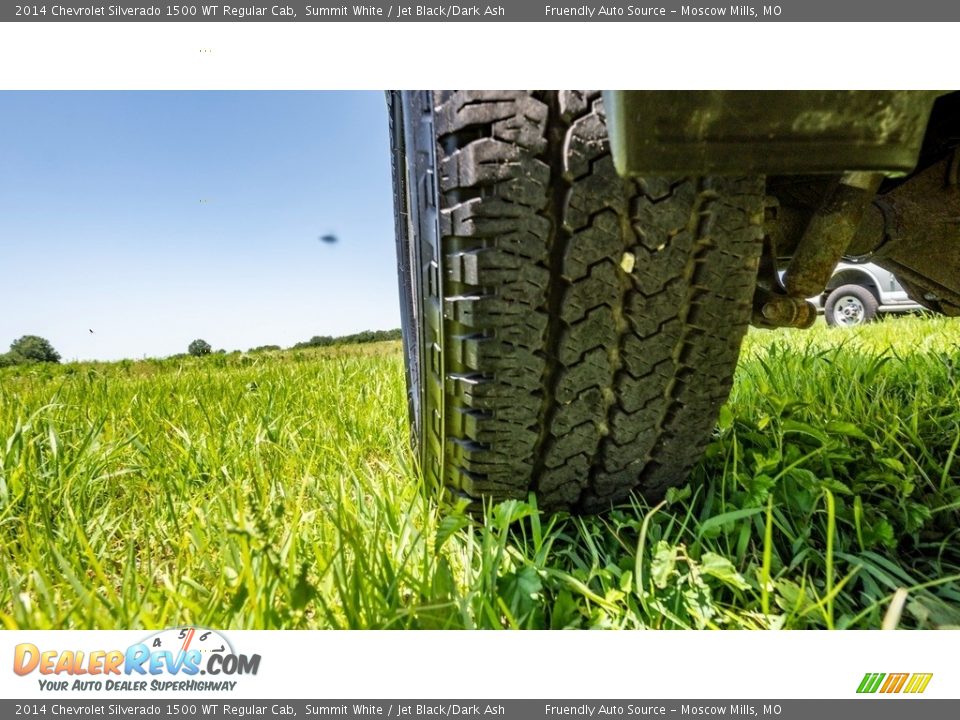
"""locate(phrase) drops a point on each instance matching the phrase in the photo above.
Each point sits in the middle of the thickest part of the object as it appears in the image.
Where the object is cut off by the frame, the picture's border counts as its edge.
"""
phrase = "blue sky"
(153, 218)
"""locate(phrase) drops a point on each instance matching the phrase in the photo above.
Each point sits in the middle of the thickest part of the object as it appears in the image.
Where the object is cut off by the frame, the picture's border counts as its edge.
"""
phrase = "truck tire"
(850, 305)
(568, 332)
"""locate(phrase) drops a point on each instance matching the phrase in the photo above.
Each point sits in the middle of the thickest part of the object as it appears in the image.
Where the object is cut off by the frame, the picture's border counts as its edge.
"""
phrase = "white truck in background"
(859, 291)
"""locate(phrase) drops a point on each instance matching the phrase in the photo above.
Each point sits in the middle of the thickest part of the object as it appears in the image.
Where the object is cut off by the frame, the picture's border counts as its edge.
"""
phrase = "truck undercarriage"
(867, 174)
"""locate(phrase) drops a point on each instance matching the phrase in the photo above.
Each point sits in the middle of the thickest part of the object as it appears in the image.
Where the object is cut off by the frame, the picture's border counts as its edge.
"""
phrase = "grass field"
(276, 491)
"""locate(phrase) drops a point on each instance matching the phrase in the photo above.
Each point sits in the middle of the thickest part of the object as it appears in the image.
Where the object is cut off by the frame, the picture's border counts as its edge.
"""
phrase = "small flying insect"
(330, 239)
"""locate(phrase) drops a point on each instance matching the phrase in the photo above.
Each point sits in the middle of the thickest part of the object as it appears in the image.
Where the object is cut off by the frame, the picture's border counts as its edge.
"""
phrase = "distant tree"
(31, 348)
(199, 347)
(7, 359)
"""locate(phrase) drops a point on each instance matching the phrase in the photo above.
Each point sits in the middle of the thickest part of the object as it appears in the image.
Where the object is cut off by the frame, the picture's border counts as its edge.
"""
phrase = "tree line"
(34, 349)
(367, 336)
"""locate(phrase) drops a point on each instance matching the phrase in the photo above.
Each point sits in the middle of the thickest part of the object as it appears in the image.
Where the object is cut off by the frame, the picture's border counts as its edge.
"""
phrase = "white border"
(378, 55)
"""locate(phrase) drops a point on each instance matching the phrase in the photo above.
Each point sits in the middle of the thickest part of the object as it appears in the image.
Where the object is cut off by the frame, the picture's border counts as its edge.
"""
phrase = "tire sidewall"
(420, 277)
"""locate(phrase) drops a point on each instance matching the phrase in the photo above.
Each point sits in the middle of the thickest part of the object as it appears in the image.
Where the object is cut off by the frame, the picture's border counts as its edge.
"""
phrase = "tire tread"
(591, 324)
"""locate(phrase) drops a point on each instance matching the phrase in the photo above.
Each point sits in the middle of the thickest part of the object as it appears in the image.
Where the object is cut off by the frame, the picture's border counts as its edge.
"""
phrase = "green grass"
(277, 491)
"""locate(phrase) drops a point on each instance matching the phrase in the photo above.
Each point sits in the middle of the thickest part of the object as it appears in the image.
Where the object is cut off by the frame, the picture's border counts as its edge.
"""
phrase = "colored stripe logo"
(894, 683)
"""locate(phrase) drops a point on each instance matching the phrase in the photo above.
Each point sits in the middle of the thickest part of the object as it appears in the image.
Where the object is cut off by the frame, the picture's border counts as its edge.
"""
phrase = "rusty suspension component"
(828, 234)
(832, 227)
(785, 311)
(772, 307)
